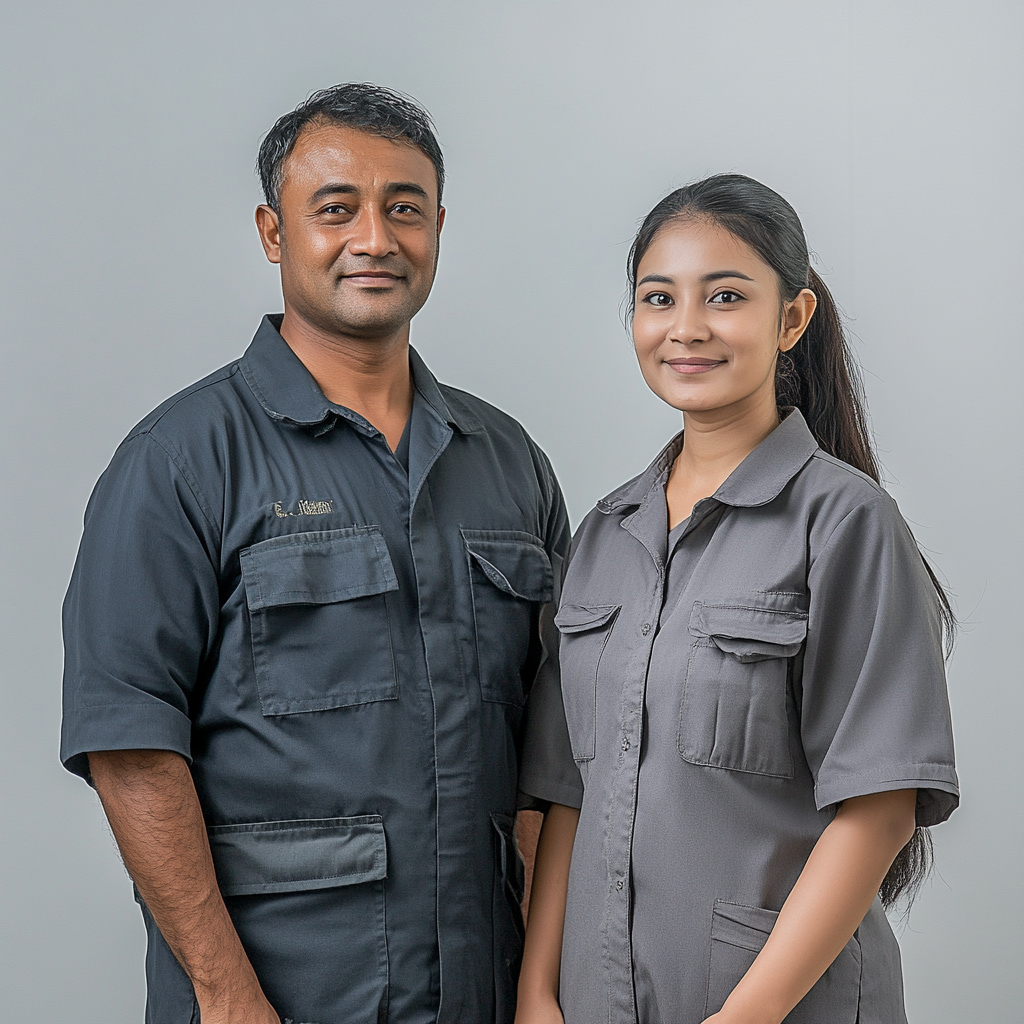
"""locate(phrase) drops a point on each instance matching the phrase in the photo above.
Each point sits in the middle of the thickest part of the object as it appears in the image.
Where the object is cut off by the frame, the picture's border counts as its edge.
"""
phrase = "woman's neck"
(715, 443)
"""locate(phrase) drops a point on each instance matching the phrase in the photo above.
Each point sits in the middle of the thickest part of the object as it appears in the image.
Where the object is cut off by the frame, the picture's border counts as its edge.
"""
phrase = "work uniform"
(341, 645)
(726, 686)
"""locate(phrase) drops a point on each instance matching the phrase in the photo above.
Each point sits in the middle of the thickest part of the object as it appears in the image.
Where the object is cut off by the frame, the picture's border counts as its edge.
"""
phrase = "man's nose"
(372, 235)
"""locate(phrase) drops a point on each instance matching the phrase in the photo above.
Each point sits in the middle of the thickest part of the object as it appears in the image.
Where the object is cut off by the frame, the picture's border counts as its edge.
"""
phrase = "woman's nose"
(690, 324)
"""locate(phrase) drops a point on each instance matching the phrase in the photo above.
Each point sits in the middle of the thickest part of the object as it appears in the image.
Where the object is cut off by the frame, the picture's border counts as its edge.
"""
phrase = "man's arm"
(151, 803)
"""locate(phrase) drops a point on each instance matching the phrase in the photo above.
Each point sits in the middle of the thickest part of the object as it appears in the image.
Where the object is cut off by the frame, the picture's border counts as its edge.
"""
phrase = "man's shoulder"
(208, 402)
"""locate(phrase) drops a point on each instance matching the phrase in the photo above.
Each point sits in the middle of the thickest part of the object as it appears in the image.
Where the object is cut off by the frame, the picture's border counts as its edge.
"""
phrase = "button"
(618, 884)
(625, 744)
(645, 628)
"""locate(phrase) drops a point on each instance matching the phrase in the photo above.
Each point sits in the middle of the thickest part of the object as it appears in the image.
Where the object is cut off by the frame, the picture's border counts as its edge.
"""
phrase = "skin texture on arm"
(151, 803)
(824, 908)
(542, 955)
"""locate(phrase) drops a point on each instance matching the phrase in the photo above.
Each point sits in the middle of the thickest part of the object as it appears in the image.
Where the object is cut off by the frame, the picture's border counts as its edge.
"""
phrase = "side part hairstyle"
(819, 376)
(362, 105)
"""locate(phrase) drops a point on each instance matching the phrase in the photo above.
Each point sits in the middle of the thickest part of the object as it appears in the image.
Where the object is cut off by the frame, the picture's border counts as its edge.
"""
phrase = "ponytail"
(818, 375)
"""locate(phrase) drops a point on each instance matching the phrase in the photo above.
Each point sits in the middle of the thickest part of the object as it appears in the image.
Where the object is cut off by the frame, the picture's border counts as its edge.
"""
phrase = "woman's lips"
(692, 366)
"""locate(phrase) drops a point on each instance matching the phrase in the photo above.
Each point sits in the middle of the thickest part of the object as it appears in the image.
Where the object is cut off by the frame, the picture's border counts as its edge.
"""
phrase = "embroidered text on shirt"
(302, 507)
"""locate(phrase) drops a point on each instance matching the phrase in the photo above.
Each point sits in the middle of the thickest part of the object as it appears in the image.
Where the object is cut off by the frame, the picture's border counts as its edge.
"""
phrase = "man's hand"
(236, 1008)
(151, 803)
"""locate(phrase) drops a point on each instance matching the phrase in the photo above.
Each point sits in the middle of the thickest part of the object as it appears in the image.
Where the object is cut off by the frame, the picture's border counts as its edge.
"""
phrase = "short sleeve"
(141, 610)
(872, 692)
(547, 770)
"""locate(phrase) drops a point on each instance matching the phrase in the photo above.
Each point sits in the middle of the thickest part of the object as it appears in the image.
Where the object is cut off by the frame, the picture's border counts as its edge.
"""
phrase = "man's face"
(357, 233)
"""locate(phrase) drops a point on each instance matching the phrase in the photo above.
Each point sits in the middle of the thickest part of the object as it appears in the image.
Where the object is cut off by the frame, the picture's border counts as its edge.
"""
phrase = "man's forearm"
(151, 803)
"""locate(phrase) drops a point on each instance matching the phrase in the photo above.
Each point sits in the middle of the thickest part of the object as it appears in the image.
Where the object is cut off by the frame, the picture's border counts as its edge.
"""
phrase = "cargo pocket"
(733, 710)
(319, 619)
(507, 917)
(737, 935)
(280, 879)
(510, 575)
(585, 631)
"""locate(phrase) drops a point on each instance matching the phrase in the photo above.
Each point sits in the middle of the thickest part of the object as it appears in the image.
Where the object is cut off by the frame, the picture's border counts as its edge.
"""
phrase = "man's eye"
(402, 208)
(725, 298)
(334, 209)
(657, 299)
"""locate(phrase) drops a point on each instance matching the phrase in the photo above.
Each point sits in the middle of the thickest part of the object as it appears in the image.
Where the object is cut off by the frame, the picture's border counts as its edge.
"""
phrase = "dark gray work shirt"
(341, 647)
(724, 693)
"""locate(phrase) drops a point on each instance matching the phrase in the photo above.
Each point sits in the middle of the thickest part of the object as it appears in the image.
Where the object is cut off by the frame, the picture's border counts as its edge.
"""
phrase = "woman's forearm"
(824, 909)
(538, 981)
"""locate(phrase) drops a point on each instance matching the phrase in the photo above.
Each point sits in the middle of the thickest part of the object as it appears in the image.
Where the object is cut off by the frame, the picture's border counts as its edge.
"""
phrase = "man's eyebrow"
(334, 188)
(408, 187)
(342, 188)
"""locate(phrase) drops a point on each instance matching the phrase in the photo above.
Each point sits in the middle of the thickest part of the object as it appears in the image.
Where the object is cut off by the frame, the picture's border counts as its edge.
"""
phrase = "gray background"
(130, 267)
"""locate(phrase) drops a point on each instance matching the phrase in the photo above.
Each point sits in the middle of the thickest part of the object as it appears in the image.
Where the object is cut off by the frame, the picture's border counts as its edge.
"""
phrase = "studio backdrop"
(131, 267)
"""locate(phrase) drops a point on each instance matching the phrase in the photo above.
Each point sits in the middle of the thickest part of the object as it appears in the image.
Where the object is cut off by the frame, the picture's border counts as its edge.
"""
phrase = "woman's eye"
(725, 298)
(657, 299)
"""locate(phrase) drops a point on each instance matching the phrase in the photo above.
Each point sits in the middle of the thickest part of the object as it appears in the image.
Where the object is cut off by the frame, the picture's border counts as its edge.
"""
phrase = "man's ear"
(440, 219)
(268, 224)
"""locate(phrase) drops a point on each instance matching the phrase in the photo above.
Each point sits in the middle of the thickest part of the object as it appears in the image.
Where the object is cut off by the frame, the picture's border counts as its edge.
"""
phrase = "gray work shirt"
(724, 691)
(341, 647)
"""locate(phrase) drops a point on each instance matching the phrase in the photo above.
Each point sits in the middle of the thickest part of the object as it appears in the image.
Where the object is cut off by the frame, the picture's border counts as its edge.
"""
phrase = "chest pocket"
(318, 611)
(510, 575)
(733, 710)
(585, 631)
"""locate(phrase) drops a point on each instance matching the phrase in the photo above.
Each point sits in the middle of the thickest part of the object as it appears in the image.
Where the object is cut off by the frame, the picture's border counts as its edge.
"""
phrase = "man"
(304, 620)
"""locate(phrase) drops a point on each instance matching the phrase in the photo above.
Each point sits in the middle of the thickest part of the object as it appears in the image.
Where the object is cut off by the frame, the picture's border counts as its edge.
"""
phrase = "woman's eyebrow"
(656, 279)
(719, 274)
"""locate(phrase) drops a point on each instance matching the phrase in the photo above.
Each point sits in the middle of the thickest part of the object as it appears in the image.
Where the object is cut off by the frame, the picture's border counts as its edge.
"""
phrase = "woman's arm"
(542, 955)
(824, 909)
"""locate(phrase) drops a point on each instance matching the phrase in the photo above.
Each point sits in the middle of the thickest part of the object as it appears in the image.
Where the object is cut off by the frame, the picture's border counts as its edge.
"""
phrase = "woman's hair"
(818, 376)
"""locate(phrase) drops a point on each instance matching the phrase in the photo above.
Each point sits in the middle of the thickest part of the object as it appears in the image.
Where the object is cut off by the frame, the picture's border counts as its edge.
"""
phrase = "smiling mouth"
(689, 367)
(372, 278)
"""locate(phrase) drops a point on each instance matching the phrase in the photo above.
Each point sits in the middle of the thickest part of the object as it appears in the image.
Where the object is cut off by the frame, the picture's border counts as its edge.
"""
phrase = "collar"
(758, 479)
(288, 392)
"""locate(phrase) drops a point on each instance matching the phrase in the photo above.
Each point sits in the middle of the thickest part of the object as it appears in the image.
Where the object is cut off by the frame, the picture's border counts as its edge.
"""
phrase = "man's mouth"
(371, 278)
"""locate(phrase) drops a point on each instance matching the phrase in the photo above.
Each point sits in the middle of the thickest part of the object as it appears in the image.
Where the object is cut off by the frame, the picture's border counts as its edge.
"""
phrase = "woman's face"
(706, 326)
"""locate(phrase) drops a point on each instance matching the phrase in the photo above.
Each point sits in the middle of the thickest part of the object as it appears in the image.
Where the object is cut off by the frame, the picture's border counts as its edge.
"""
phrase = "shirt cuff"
(155, 726)
(937, 791)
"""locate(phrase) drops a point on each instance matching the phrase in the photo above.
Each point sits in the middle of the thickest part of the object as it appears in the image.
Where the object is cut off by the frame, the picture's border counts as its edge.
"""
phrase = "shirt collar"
(288, 392)
(758, 479)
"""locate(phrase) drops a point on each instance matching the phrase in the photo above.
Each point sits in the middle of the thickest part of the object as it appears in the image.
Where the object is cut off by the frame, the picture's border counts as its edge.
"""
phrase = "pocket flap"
(746, 927)
(578, 618)
(296, 856)
(516, 563)
(748, 631)
(317, 568)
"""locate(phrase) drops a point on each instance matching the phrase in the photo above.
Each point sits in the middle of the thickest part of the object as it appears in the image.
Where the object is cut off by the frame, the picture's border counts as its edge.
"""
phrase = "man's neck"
(368, 376)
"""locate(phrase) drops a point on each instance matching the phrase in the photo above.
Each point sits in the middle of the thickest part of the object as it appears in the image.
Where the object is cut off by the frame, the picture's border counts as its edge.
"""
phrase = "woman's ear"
(796, 315)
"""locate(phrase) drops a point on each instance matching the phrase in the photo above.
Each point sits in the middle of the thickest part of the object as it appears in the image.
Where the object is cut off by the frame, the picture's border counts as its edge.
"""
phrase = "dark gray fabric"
(327, 637)
(722, 696)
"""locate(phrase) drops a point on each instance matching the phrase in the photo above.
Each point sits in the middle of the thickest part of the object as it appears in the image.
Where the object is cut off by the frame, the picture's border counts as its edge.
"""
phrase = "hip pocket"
(510, 578)
(585, 631)
(307, 899)
(318, 614)
(737, 935)
(734, 706)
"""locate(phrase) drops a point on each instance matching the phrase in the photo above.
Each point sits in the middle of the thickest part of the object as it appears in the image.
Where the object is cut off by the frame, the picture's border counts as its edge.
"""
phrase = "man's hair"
(362, 105)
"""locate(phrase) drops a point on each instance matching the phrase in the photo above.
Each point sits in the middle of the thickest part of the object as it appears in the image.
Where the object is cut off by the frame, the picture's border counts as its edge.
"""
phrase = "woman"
(752, 668)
